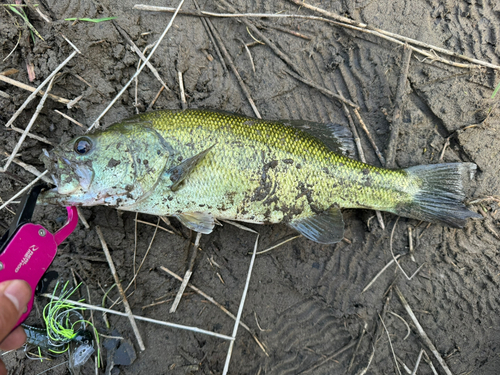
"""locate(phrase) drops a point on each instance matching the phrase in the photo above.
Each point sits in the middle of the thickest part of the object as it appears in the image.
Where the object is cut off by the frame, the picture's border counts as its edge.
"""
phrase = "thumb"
(14, 296)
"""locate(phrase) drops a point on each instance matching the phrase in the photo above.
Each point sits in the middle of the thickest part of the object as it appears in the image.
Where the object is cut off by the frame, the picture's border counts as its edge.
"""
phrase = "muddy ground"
(305, 300)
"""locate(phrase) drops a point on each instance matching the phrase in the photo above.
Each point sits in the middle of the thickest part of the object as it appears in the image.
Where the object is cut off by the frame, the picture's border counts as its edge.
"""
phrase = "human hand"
(14, 296)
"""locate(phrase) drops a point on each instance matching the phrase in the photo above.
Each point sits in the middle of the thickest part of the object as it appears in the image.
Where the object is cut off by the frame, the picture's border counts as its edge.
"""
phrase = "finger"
(3, 370)
(14, 296)
(15, 340)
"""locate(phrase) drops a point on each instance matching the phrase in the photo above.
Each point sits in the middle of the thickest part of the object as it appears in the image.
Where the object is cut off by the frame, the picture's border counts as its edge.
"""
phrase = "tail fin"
(439, 194)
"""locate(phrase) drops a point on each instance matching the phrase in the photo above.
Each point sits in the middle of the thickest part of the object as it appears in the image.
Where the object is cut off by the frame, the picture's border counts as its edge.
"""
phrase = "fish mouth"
(68, 177)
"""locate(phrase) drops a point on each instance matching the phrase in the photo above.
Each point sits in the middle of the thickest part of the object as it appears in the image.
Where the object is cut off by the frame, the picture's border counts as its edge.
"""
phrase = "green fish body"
(203, 165)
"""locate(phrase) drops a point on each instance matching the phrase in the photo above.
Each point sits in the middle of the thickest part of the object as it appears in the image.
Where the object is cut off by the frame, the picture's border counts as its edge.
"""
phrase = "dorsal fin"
(336, 137)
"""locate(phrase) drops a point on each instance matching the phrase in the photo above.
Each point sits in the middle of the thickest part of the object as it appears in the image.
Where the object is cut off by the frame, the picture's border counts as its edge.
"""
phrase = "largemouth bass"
(201, 166)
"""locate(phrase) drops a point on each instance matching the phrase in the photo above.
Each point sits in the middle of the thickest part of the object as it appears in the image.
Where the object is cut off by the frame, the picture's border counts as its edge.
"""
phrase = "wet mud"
(305, 301)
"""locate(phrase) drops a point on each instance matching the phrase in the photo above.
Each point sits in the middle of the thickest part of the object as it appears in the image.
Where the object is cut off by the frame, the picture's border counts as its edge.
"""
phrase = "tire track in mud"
(348, 271)
(455, 301)
(472, 29)
(319, 323)
(303, 334)
(462, 299)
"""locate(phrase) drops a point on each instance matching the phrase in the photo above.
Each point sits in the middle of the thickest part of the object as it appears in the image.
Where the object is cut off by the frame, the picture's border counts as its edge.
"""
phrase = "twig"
(13, 49)
(240, 309)
(120, 289)
(380, 273)
(42, 85)
(285, 57)
(422, 333)
(153, 225)
(240, 226)
(343, 21)
(418, 362)
(26, 87)
(408, 331)
(202, 13)
(266, 40)
(406, 368)
(365, 326)
(330, 357)
(446, 144)
(29, 135)
(380, 219)
(394, 258)
(370, 359)
(73, 102)
(278, 245)
(136, 87)
(230, 62)
(156, 303)
(135, 240)
(143, 318)
(410, 244)
(370, 138)
(491, 230)
(150, 106)
(248, 53)
(70, 119)
(21, 192)
(144, 257)
(258, 325)
(390, 344)
(96, 121)
(254, 38)
(211, 300)
(30, 169)
(486, 199)
(82, 218)
(181, 88)
(285, 30)
(140, 54)
(187, 275)
(93, 324)
(210, 35)
(70, 43)
(321, 89)
(429, 362)
(377, 334)
(26, 131)
(354, 131)
(53, 367)
(398, 105)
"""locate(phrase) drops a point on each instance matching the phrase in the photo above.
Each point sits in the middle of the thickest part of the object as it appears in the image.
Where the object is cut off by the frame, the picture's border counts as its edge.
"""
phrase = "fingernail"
(16, 292)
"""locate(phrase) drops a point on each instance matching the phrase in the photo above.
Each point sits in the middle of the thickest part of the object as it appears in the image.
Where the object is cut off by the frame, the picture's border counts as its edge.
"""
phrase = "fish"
(203, 166)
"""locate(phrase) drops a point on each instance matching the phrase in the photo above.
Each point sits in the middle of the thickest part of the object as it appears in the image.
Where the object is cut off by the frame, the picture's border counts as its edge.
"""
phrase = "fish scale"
(202, 165)
(279, 142)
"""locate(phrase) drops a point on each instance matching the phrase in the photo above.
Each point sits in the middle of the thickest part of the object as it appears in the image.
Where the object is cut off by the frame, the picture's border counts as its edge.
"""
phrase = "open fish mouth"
(68, 177)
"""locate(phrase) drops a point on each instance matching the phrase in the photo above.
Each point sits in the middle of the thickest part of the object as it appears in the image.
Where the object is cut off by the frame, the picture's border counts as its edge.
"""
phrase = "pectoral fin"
(198, 221)
(327, 227)
(178, 173)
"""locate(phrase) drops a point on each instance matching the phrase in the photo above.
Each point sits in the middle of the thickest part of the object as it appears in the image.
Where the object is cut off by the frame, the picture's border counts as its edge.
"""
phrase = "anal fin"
(326, 227)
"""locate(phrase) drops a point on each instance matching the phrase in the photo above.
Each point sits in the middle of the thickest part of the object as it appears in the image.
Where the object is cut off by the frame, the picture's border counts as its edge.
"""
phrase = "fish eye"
(83, 146)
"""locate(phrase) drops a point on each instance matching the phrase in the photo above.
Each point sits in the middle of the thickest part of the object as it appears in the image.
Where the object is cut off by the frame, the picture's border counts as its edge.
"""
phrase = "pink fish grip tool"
(27, 249)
